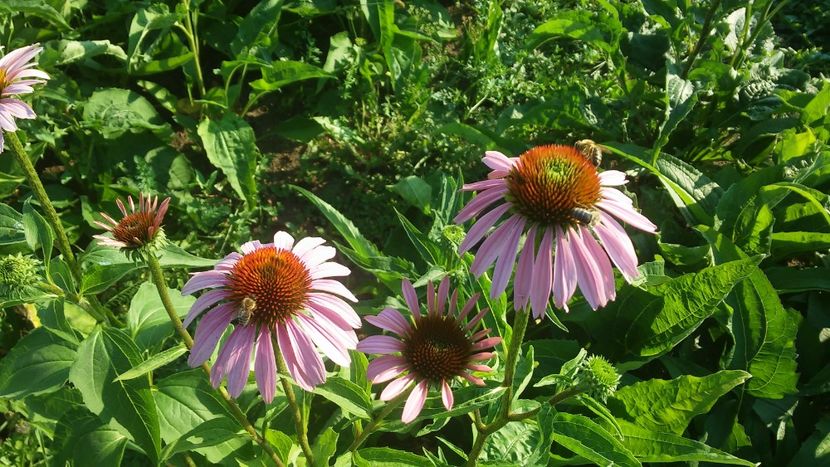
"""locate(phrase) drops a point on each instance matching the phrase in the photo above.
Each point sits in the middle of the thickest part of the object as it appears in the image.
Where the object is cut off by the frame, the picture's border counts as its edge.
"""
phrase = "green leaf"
(115, 111)
(427, 249)
(574, 24)
(387, 29)
(792, 243)
(38, 363)
(388, 457)
(147, 320)
(65, 52)
(415, 191)
(12, 234)
(658, 318)
(652, 446)
(325, 446)
(816, 449)
(82, 437)
(38, 8)
(129, 405)
(347, 395)
(791, 280)
(207, 437)
(584, 437)
(680, 98)
(284, 72)
(153, 363)
(517, 443)
(764, 332)
(230, 145)
(150, 28)
(38, 232)
(257, 26)
(669, 406)
(363, 252)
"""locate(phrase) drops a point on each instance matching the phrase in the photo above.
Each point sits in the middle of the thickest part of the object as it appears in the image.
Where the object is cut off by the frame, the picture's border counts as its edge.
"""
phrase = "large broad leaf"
(388, 457)
(680, 98)
(579, 25)
(85, 439)
(584, 437)
(257, 26)
(763, 330)
(669, 406)
(115, 111)
(147, 319)
(37, 8)
(39, 362)
(126, 405)
(12, 234)
(65, 52)
(230, 145)
(282, 73)
(654, 446)
(658, 318)
(150, 31)
(347, 395)
(38, 232)
(519, 443)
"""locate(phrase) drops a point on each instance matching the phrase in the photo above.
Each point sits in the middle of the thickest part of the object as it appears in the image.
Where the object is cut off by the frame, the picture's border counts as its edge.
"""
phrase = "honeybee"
(591, 150)
(585, 216)
(246, 309)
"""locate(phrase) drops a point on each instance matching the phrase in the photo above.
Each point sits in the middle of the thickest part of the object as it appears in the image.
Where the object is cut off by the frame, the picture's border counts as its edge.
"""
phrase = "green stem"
(701, 40)
(46, 204)
(557, 398)
(519, 326)
(161, 286)
(302, 429)
(376, 422)
(190, 32)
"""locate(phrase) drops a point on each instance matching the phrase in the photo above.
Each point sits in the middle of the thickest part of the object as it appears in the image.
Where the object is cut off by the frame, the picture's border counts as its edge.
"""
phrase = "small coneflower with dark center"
(139, 228)
(281, 291)
(17, 76)
(566, 210)
(432, 349)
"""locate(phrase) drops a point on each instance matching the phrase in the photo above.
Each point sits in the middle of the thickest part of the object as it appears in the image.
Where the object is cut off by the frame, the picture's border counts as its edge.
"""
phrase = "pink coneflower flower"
(140, 226)
(555, 195)
(433, 349)
(17, 76)
(278, 290)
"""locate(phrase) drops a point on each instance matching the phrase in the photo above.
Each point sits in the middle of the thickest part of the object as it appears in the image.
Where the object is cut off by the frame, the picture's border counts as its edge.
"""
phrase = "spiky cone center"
(17, 271)
(438, 348)
(277, 282)
(598, 377)
(548, 182)
(136, 229)
(3, 82)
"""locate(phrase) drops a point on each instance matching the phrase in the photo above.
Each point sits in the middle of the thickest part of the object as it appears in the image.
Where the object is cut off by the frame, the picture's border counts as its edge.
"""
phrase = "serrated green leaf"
(147, 319)
(669, 405)
(388, 457)
(39, 362)
(652, 446)
(102, 356)
(115, 111)
(256, 26)
(415, 191)
(284, 72)
(347, 395)
(230, 145)
(153, 363)
(584, 437)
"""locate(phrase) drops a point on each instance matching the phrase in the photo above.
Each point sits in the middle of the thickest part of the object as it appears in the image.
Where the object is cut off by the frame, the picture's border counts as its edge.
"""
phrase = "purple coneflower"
(433, 349)
(278, 290)
(140, 226)
(17, 76)
(555, 195)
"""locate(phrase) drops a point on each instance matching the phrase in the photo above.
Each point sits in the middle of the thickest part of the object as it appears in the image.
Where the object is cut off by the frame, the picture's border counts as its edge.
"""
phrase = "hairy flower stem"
(40, 193)
(504, 415)
(193, 41)
(377, 421)
(161, 286)
(302, 429)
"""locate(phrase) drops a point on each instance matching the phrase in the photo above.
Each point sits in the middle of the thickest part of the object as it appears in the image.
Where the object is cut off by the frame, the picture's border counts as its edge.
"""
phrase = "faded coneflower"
(139, 228)
(277, 290)
(433, 348)
(554, 194)
(17, 76)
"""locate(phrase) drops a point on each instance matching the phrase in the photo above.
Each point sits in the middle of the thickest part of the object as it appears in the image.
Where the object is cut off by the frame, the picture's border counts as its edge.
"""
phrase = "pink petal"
(380, 345)
(329, 269)
(384, 368)
(265, 367)
(335, 309)
(628, 215)
(587, 272)
(346, 337)
(205, 280)
(318, 256)
(307, 244)
(507, 258)
(618, 246)
(208, 333)
(480, 368)
(333, 348)
(283, 240)
(17, 108)
(564, 270)
(304, 365)
(481, 356)
(480, 228)
(332, 286)
(415, 402)
(494, 245)
(204, 302)
(497, 161)
(542, 276)
(471, 303)
(612, 178)
(396, 387)
(600, 257)
(250, 247)
(239, 362)
(484, 184)
(411, 298)
(486, 343)
(446, 395)
(524, 271)
(390, 320)
(613, 194)
(476, 319)
(473, 379)
(443, 291)
(479, 203)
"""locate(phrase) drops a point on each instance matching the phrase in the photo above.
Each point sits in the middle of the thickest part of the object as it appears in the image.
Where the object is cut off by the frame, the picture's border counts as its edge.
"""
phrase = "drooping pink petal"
(587, 272)
(480, 228)
(506, 260)
(483, 185)
(618, 246)
(396, 387)
(205, 280)
(208, 333)
(335, 308)
(227, 355)
(265, 366)
(239, 362)
(446, 395)
(303, 362)
(204, 302)
(542, 281)
(612, 178)
(443, 291)
(346, 337)
(479, 203)
(628, 215)
(385, 368)
(17, 108)
(600, 257)
(334, 287)
(564, 270)
(380, 345)
(390, 320)
(524, 271)
(335, 350)
(494, 245)
(415, 402)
